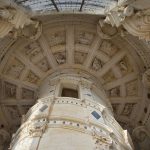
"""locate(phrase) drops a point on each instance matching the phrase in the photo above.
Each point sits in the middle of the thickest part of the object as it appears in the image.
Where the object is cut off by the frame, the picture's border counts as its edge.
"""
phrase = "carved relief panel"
(125, 66)
(35, 54)
(14, 68)
(108, 48)
(27, 94)
(115, 92)
(43, 65)
(57, 38)
(96, 64)
(80, 57)
(32, 50)
(128, 108)
(132, 88)
(83, 37)
(10, 90)
(115, 108)
(14, 114)
(109, 77)
(32, 78)
(60, 57)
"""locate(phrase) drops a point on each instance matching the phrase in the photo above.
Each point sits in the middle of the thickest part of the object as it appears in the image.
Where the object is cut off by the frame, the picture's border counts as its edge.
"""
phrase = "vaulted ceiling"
(47, 6)
(72, 42)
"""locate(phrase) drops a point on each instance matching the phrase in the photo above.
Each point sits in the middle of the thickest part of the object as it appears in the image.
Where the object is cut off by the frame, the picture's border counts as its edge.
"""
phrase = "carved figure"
(97, 64)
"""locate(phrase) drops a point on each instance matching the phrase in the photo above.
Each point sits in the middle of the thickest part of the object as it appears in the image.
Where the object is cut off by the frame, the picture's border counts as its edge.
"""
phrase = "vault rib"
(70, 44)
(120, 81)
(122, 100)
(93, 48)
(47, 51)
(28, 63)
(111, 63)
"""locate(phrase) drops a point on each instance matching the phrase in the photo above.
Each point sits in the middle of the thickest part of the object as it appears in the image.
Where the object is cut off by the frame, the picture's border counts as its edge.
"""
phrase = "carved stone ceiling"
(71, 44)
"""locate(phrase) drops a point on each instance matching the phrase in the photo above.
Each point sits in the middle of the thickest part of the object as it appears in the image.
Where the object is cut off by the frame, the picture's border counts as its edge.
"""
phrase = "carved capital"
(141, 133)
(18, 23)
(137, 24)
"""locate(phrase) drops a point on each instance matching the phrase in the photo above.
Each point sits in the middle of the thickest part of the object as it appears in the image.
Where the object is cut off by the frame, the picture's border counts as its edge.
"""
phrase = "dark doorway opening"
(66, 92)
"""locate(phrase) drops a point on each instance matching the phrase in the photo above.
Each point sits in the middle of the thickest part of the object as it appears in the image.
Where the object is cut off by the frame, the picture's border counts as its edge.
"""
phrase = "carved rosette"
(140, 133)
(37, 127)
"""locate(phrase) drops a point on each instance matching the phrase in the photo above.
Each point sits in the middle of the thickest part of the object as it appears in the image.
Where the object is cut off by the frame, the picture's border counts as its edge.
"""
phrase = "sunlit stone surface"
(80, 117)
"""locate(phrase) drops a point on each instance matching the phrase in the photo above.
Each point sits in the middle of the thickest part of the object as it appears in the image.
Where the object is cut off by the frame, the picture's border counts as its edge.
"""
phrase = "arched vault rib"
(47, 51)
(94, 46)
(28, 64)
(118, 82)
(70, 44)
(112, 62)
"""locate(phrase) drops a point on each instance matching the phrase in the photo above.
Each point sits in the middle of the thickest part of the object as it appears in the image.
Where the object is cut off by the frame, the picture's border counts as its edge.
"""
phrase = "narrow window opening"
(66, 92)
(96, 115)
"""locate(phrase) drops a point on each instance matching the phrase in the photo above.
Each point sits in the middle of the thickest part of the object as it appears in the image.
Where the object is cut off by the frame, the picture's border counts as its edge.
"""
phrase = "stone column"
(73, 113)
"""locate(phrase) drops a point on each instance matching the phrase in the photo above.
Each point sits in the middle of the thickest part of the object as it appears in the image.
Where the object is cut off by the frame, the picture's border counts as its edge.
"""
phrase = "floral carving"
(57, 38)
(10, 90)
(128, 109)
(114, 92)
(14, 69)
(37, 128)
(124, 66)
(108, 77)
(31, 77)
(97, 64)
(83, 37)
(132, 88)
(60, 57)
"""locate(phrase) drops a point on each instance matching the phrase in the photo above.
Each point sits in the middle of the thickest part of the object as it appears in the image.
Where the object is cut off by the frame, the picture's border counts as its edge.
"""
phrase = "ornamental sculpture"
(134, 16)
(16, 22)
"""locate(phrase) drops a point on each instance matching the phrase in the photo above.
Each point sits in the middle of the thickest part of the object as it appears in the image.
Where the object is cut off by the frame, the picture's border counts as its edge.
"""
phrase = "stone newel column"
(72, 113)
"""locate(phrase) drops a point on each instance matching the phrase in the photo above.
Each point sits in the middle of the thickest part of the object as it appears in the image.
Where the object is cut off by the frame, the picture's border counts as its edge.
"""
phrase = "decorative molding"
(136, 22)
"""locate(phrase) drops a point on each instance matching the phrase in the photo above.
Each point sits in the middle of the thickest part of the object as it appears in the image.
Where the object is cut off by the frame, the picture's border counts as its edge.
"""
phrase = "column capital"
(133, 16)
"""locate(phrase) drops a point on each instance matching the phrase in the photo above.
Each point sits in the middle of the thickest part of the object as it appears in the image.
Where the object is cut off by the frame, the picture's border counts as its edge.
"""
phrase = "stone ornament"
(60, 57)
(37, 128)
(141, 133)
(137, 24)
(14, 18)
(57, 119)
(96, 64)
(106, 31)
(31, 77)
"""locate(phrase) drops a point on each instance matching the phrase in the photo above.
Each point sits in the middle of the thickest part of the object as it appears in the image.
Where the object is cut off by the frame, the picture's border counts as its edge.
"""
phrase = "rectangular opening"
(66, 92)
(96, 115)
